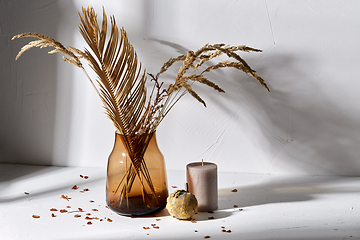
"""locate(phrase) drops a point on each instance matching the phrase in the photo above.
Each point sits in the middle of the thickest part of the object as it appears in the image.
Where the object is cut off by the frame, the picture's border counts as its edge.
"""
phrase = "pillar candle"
(202, 182)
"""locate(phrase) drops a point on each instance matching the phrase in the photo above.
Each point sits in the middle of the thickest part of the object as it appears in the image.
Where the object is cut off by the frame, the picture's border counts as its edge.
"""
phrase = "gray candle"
(202, 182)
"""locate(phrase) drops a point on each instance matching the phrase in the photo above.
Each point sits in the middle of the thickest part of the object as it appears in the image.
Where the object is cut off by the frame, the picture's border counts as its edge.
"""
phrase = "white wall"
(308, 124)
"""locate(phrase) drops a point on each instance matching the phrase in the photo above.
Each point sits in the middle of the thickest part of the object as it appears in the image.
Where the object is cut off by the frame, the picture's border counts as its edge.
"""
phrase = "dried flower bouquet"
(121, 82)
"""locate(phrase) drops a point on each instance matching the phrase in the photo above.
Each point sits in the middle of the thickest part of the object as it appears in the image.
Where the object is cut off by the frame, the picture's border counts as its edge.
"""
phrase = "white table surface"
(273, 207)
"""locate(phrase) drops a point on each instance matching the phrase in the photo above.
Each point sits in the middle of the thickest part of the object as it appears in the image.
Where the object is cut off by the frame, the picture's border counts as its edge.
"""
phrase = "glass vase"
(136, 176)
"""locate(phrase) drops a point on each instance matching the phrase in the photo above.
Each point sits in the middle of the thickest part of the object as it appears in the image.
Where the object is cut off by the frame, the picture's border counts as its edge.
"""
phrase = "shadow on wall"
(28, 87)
(302, 127)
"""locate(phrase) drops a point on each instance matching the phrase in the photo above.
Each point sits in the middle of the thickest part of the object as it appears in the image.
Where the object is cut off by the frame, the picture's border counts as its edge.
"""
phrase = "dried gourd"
(182, 205)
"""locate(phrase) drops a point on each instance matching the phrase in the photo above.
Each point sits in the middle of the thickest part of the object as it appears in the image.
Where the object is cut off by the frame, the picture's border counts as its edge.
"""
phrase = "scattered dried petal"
(236, 205)
(94, 209)
(109, 220)
(63, 210)
(207, 237)
(88, 214)
(211, 217)
(222, 227)
(86, 177)
(89, 223)
(240, 209)
(86, 189)
(158, 219)
(156, 227)
(68, 206)
(146, 228)
(80, 209)
(91, 201)
(193, 220)
(196, 230)
(53, 215)
(77, 215)
(35, 216)
(26, 193)
(65, 197)
(234, 190)
(81, 176)
(75, 187)
(174, 186)
(228, 231)
(223, 230)
(107, 207)
(53, 209)
(88, 218)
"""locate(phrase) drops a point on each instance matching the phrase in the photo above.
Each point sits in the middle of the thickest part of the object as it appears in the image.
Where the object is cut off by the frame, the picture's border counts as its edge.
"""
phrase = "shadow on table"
(19, 182)
(292, 189)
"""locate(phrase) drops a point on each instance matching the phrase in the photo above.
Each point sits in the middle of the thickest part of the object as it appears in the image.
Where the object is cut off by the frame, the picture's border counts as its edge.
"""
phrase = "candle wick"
(202, 162)
(186, 187)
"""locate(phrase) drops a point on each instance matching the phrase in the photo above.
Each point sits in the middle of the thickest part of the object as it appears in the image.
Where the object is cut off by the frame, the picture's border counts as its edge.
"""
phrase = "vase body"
(136, 176)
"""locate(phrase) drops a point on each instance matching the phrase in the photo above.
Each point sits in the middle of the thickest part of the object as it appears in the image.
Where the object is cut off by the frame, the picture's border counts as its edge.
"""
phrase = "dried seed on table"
(53, 215)
(234, 190)
(89, 223)
(109, 220)
(53, 209)
(80, 209)
(75, 187)
(207, 237)
(63, 210)
(86, 177)
(236, 205)
(94, 209)
(146, 228)
(26, 193)
(35, 216)
(88, 218)
(77, 215)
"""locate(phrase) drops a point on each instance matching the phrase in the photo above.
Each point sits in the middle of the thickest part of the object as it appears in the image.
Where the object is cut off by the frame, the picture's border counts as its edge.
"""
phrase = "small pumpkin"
(182, 205)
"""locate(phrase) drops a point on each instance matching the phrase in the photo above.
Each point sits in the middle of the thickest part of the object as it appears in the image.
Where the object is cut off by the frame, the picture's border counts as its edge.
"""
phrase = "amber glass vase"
(136, 176)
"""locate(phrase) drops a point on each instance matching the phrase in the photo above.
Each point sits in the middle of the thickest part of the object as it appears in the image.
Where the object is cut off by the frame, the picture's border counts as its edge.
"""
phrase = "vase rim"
(117, 133)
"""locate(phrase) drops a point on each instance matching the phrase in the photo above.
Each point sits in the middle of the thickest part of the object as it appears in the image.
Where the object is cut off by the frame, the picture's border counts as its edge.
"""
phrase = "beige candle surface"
(202, 182)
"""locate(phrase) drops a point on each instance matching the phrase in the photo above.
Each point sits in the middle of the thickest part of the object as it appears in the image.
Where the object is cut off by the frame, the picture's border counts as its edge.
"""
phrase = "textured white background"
(308, 124)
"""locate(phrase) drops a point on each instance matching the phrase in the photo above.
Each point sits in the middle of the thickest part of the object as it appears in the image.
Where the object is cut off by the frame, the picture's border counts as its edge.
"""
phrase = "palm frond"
(121, 81)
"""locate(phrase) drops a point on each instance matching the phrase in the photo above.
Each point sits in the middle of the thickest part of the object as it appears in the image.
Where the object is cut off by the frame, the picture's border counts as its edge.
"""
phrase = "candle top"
(201, 166)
